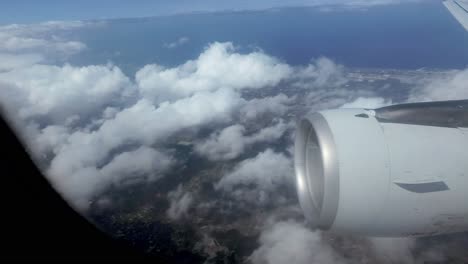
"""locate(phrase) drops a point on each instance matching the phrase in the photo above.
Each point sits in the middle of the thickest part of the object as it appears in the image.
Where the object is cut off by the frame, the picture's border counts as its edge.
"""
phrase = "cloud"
(269, 133)
(146, 123)
(57, 93)
(179, 42)
(393, 250)
(140, 124)
(367, 102)
(180, 203)
(291, 242)
(49, 139)
(218, 67)
(232, 141)
(81, 182)
(449, 86)
(347, 95)
(226, 144)
(143, 162)
(76, 118)
(42, 38)
(276, 105)
(321, 72)
(11, 61)
(265, 172)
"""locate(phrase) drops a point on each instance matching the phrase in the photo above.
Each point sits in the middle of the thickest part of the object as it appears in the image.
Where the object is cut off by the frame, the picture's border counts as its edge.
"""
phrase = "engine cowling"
(394, 171)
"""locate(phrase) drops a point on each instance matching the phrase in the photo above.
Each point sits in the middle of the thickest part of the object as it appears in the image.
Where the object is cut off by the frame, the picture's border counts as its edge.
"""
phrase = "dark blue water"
(406, 36)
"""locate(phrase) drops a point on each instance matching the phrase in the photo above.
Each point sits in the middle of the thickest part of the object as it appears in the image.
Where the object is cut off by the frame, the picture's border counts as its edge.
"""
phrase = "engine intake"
(400, 170)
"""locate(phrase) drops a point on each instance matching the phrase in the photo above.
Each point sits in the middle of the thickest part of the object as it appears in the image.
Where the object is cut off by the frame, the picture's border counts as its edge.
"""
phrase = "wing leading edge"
(459, 10)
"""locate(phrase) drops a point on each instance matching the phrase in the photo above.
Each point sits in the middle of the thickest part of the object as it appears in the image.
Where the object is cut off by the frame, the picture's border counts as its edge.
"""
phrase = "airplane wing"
(459, 9)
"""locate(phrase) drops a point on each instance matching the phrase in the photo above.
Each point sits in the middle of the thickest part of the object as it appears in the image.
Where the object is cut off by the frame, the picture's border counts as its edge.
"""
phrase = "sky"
(31, 11)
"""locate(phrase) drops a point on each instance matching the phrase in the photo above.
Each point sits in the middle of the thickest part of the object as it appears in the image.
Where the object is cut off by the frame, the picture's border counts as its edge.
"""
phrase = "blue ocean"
(405, 36)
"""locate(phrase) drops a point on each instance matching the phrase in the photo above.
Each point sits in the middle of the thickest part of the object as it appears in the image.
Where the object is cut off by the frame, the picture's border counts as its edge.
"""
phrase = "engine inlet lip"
(319, 203)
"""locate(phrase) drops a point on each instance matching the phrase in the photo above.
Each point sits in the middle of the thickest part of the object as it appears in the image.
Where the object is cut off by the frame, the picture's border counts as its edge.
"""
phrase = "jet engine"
(399, 170)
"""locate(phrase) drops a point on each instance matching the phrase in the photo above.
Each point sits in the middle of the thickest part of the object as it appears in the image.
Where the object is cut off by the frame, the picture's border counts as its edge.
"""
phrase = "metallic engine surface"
(439, 114)
(394, 171)
(317, 175)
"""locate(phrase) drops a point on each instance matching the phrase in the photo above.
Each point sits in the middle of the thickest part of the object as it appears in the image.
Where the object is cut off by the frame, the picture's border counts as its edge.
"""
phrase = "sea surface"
(404, 36)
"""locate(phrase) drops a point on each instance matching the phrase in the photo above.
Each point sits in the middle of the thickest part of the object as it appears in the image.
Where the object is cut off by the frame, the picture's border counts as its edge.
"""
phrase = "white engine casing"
(356, 174)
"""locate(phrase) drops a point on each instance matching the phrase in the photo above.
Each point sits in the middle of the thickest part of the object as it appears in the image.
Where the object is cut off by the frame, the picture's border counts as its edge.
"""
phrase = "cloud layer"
(230, 114)
(218, 67)
(231, 142)
(43, 38)
(291, 242)
(265, 172)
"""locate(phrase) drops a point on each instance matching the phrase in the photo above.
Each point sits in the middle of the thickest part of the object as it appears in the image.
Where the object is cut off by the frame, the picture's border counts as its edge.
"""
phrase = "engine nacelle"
(400, 170)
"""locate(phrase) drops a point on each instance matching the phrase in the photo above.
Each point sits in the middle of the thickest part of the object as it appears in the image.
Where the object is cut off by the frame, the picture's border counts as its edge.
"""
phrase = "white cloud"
(49, 139)
(232, 141)
(276, 105)
(217, 67)
(450, 86)
(60, 92)
(179, 42)
(367, 102)
(43, 28)
(180, 203)
(11, 61)
(43, 38)
(291, 242)
(143, 162)
(270, 133)
(80, 181)
(77, 117)
(266, 172)
(140, 124)
(321, 98)
(393, 250)
(321, 72)
(146, 123)
(226, 144)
